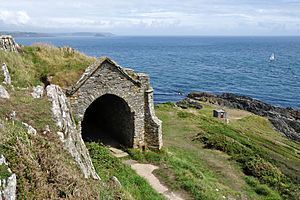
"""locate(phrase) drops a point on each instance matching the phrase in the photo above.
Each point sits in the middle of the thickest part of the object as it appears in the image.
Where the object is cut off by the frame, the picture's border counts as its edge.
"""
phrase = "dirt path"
(146, 171)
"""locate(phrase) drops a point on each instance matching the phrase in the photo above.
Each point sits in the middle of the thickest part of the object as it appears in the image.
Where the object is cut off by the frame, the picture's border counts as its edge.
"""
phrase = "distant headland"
(71, 34)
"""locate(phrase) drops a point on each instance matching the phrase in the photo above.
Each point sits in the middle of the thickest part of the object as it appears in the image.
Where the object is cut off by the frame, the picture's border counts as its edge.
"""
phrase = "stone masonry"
(106, 78)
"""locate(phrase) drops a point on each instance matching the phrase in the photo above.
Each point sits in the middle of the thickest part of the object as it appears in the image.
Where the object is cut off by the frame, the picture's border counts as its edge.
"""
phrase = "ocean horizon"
(178, 65)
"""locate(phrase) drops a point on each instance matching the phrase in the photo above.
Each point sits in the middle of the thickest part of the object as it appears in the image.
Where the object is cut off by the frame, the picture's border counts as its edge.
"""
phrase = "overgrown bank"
(203, 158)
(44, 169)
(42, 63)
(212, 160)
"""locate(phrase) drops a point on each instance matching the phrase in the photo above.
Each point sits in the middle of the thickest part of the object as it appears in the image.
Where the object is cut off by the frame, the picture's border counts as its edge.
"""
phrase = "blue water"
(213, 64)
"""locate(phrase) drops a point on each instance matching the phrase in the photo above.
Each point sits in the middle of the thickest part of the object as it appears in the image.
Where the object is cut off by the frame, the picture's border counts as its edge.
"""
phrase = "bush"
(263, 190)
(147, 156)
(4, 173)
(185, 115)
(263, 170)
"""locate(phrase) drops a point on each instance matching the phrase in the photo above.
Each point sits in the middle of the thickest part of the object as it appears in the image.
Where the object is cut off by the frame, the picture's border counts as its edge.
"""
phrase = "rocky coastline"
(284, 120)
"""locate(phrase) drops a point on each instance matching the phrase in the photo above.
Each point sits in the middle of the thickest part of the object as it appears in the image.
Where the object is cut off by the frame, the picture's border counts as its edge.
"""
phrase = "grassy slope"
(202, 159)
(209, 159)
(107, 166)
(40, 60)
(44, 170)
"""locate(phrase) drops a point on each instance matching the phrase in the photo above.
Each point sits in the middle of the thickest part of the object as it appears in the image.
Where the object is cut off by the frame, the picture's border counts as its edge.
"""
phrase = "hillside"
(202, 157)
(43, 168)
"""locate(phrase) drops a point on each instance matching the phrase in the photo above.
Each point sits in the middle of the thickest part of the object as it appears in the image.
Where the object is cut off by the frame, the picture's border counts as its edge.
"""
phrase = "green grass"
(4, 173)
(107, 166)
(202, 158)
(44, 169)
(42, 60)
(35, 112)
(243, 159)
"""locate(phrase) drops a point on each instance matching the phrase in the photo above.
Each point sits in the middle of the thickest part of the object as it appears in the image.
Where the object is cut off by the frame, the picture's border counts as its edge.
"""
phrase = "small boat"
(272, 57)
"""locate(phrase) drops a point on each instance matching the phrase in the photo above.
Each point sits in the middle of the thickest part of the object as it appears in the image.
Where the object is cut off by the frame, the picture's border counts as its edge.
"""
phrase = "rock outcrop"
(7, 43)
(37, 92)
(68, 133)
(3, 93)
(7, 79)
(285, 120)
(30, 129)
(189, 103)
(8, 184)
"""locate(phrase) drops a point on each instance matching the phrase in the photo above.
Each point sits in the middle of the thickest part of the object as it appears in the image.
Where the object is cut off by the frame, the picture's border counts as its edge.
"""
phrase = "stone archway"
(109, 120)
(131, 108)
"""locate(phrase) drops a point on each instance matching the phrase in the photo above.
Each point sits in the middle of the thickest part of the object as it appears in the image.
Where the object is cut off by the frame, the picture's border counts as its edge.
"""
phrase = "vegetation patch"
(4, 173)
(42, 172)
(42, 61)
(198, 164)
(107, 166)
(44, 169)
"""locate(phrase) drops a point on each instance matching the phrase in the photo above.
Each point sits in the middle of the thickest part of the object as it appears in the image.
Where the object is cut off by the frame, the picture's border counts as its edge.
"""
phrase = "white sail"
(272, 57)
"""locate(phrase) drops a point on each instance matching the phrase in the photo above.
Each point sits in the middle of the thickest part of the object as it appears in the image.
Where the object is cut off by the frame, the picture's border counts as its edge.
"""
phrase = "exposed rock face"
(3, 93)
(69, 135)
(7, 43)
(8, 185)
(189, 103)
(106, 78)
(30, 129)
(285, 120)
(115, 182)
(7, 79)
(37, 92)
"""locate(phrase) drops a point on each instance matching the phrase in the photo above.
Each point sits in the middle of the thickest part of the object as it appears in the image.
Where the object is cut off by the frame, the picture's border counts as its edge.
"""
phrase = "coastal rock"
(115, 182)
(68, 133)
(189, 103)
(12, 116)
(284, 120)
(8, 185)
(3, 93)
(7, 79)
(37, 92)
(30, 129)
(7, 43)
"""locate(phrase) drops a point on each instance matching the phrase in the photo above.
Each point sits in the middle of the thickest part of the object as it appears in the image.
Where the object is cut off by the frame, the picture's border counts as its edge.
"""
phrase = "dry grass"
(44, 169)
(42, 172)
(63, 65)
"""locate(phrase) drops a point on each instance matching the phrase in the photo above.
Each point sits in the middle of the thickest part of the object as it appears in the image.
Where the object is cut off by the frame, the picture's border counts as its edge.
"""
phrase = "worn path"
(146, 171)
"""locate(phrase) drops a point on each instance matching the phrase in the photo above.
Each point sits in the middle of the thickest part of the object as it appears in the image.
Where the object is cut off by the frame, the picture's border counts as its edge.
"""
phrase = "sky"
(153, 17)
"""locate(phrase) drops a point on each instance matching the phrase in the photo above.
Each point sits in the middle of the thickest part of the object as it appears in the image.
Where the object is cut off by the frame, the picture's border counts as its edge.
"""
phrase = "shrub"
(185, 115)
(4, 173)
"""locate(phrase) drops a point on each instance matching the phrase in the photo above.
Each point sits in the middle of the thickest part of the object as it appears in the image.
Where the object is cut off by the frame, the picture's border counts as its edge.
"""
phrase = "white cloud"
(232, 17)
(14, 17)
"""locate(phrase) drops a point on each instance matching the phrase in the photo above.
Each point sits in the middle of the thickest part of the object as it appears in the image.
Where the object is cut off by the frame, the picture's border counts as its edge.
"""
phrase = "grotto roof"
(89, 72)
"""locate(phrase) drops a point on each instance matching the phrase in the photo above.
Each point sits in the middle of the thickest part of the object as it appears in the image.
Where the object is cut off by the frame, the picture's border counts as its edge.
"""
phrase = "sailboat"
(272, 57)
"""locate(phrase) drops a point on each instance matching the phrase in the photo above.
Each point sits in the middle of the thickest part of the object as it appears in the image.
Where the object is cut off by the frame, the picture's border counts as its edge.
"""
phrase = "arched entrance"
(109, 120)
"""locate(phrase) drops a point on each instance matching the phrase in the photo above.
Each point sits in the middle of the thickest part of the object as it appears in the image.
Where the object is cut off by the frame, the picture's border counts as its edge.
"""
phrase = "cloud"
(232, 17)
(14, 17)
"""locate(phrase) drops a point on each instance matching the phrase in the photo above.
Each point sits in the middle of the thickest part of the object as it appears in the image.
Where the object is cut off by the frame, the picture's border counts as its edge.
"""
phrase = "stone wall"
(106, 77)
(7, 43)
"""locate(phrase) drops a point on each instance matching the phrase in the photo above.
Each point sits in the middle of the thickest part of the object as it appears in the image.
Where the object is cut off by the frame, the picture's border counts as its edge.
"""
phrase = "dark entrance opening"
(109, 120)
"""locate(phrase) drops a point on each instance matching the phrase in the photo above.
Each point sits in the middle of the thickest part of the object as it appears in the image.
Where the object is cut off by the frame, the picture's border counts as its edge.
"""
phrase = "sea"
(180, 65)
